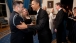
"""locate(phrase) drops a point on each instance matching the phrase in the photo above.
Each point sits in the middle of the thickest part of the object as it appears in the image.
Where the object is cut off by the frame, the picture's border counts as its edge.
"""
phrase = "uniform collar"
(16, 12)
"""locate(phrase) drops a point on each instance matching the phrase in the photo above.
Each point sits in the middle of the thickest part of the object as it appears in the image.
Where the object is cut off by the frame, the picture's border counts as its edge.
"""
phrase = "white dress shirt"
(37, 13)
(59, 9)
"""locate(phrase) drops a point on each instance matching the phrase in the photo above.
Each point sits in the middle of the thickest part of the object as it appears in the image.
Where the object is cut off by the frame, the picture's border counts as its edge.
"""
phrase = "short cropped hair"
(38, 1)
(59, 4)
(17, 3)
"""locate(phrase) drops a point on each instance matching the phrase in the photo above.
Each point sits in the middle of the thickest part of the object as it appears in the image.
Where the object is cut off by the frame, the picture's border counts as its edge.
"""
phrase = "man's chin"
(33, 9)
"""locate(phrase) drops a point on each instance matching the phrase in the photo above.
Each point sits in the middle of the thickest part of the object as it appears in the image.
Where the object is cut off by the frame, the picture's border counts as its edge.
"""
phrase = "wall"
(49, 9)
(55, 1)
(74, 3)
(44, 3)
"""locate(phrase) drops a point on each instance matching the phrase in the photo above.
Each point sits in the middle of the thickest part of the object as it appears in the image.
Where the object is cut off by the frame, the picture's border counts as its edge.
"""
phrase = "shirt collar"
(38, 10)
(59, 9)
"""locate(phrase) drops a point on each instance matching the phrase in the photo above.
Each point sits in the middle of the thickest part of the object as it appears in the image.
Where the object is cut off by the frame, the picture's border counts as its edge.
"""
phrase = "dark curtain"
(10, 4)
(26, 3)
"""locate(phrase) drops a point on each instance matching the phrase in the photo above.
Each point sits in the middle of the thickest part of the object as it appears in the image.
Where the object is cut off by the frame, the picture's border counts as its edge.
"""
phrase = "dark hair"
(74, 7)
(17, 3)
(59, 4)
(38, 1)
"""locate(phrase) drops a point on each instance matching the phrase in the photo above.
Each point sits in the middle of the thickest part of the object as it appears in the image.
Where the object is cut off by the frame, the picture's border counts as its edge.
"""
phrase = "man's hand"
(55, 30)
(22, 26)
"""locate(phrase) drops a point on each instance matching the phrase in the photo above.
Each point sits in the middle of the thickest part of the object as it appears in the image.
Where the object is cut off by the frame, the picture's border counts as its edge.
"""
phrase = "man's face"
(20, 8)
(34, 5)
(57, 7)
(74, 10)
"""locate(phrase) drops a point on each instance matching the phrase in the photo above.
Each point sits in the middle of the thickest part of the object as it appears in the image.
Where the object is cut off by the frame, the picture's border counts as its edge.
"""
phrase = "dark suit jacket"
(59, 21)
(42, 27)
(60, 26)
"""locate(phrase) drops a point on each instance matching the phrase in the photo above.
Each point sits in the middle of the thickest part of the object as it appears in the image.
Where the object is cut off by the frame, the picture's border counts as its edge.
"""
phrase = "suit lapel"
(59, 11)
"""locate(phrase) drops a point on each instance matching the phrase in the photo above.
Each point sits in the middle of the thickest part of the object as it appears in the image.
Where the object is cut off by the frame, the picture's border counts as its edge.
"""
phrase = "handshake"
(23, 25)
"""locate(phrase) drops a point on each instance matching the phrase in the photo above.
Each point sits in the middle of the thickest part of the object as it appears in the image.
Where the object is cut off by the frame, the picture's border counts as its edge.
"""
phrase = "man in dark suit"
(42, 23)
(59, 23)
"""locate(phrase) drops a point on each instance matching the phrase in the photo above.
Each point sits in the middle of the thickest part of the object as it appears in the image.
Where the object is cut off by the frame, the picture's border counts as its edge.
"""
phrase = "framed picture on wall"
(49, 4)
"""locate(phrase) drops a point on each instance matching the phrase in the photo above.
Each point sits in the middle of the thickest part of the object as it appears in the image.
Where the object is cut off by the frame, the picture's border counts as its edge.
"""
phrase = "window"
(3, 8)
